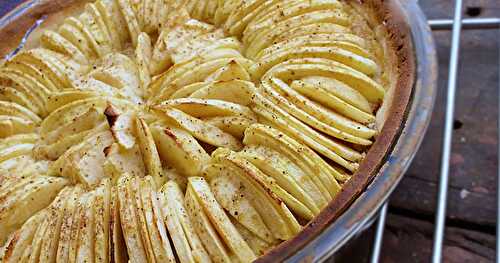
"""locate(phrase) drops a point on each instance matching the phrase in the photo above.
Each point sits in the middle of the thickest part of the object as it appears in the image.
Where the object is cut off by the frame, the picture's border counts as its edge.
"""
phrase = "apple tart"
(187, 130)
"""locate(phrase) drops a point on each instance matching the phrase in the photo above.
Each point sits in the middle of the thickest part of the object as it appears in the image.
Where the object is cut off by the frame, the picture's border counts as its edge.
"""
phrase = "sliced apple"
(335, 151)
(233, 125)
(272, 209)
(127, 11)
(86, 233)
(154, 221)
(309, 161)
(325, 114)
(197, 74)
(18, 206)
(36, 244)
(129, 221)
(262, 158)
(279, 92)
(114, 21)
(332, 101)
(231, 71)
(142, 225)
(201, 130)
(149, 151)
(117, 246)
(187, 243)
(69, 224)
(228, 190)
(20, 241)
(265, 38)
(179, 149)
(201, 108)
(220, 220)
(204, 228)
(235, 91)
(51, 237)
(299, 68)
(70, 30)
(101, 210)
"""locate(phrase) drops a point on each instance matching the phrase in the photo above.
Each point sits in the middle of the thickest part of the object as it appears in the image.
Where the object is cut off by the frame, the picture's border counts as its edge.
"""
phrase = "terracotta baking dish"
(407, 118)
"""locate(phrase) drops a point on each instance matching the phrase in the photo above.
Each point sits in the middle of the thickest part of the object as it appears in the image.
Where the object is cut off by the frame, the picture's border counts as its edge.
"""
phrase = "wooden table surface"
(470, 232)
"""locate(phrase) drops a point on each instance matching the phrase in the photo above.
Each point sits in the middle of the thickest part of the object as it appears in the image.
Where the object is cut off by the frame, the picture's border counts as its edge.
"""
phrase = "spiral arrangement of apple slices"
(183, 130)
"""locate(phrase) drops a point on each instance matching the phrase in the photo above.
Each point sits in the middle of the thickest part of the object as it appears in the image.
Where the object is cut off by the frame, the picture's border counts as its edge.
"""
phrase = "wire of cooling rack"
(456, 25)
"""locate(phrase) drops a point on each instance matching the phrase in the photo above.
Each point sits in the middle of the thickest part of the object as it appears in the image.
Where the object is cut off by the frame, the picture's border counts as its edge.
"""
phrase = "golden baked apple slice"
(10, 94)
(84, 162)
(272, 208)
(235, 91)
(307, 160)
(101, 209)
(201, 108)
(334, 102)
(271, 114)
(143, 54)
(55, 42)
(228, 190)
(142, 225)
(179, 149)
(98, 28)
(117, 246)
(10, 125)
(36, 244)
(50, 240)
(218, 218)
(86, 235)
(301, 68)
(264, 38)
(20, 203)
(128, 13)
(262, 158)
(114, 21)
(154, 221)
(70, 30)
(323, 113)
(269, 183)
(187, 243)
(200, 130)
(204, 228)
(129, 221)
(339, 89)
(233, 125)
(279, 93)
(20, 241)
(149, 151)
(278, 12)
(69, 222)
(231, 71)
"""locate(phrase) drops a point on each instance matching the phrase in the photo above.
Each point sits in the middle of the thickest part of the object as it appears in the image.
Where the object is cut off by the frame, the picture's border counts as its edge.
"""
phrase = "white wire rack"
(455, 25)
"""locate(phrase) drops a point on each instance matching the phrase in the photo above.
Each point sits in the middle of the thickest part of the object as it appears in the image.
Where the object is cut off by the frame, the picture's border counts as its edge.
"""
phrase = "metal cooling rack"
(455, 25)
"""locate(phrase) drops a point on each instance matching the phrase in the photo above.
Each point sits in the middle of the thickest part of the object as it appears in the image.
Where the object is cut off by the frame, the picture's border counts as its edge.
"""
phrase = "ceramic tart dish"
(202, 130)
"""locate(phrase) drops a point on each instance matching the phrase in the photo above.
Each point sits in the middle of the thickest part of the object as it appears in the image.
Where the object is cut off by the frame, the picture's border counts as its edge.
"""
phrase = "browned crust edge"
(388, 12)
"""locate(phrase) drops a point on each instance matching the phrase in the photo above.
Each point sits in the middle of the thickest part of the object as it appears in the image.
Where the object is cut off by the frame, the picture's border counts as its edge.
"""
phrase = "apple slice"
(130, 222)
(228, 190)
(200, 130)
(149, 151)
(187, 243)
(154, 222)
(101, 214)
(20, 241)
(220, 220)
(179, 149)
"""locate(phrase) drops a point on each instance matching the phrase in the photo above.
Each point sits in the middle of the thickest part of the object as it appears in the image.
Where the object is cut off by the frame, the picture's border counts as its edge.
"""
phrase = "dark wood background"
(470, 233)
